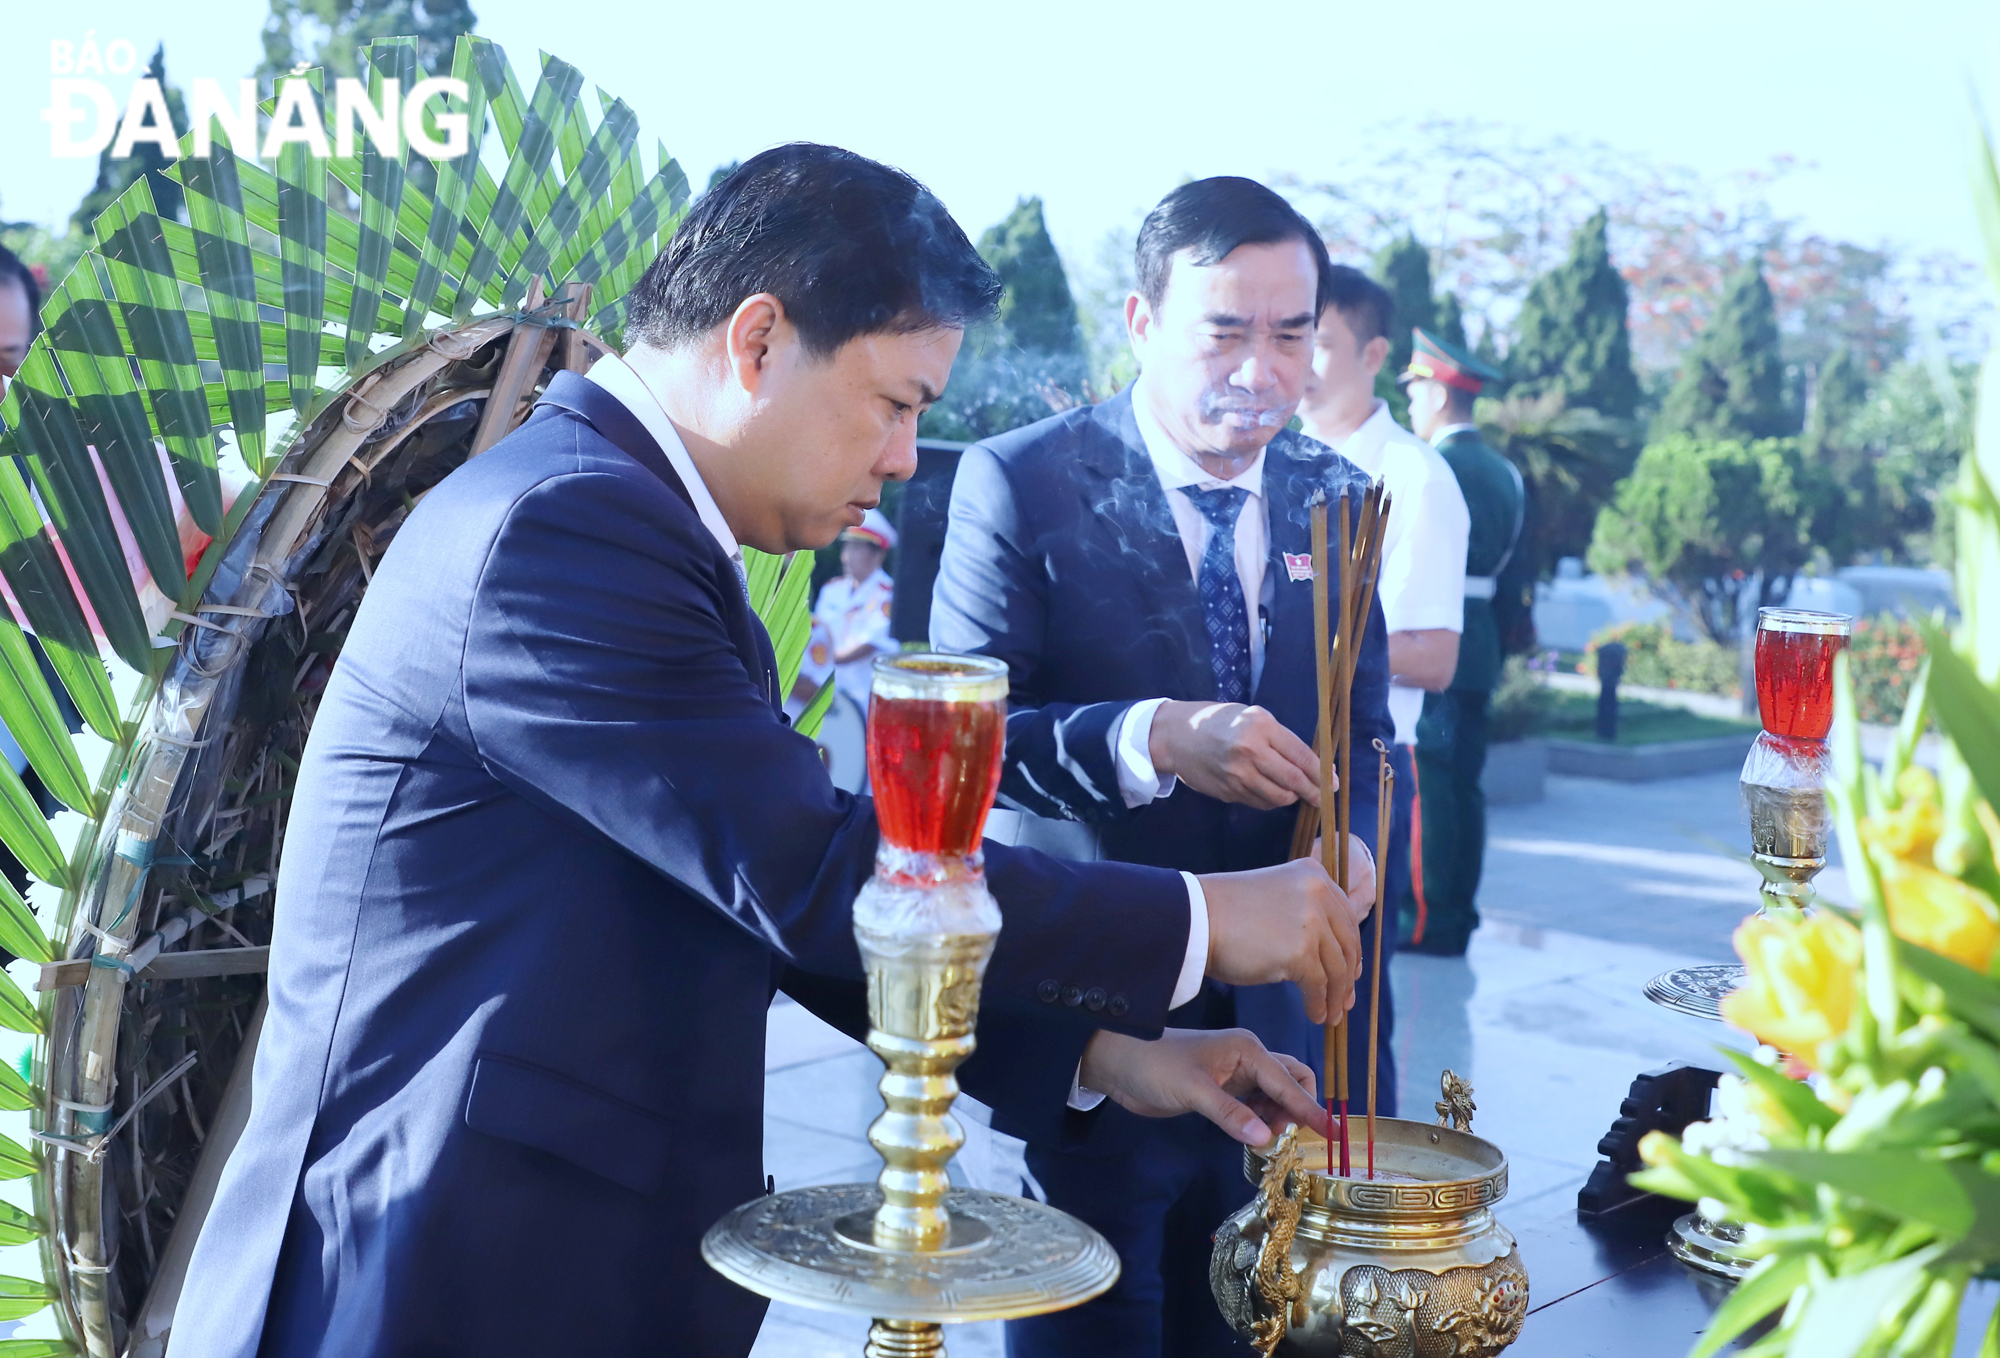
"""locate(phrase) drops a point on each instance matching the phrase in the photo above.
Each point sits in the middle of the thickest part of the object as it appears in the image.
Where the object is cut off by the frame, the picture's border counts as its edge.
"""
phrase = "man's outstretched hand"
(1285, 923)
(1233, 753)
(1227, 1076)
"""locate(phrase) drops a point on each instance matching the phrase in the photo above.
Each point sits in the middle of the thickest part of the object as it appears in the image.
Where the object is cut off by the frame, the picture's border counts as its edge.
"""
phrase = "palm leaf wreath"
(349, 362)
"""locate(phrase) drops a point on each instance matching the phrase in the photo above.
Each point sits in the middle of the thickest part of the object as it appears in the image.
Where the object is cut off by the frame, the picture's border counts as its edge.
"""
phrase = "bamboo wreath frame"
(390, 345)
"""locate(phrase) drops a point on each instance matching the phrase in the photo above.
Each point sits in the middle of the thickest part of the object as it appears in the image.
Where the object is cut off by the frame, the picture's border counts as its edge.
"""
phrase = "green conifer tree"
(1404, 268)
(1037, 311)
(1451, 320)
(1732, 384)
(114, 176)
(1030, 363)
(1572, 334)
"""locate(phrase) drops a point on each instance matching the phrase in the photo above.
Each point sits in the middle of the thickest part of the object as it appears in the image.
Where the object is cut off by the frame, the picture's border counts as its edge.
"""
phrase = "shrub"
(1655, 658)
(1884, 657)
(1520, 704)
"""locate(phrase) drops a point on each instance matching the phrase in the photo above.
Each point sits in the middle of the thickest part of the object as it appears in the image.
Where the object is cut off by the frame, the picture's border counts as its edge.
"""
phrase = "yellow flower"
(1912, 829)
(1803, 977)
(1937, 911)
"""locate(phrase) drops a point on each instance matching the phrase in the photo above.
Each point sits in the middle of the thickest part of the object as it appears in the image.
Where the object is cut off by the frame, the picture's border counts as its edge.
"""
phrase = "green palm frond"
(274, 327)
(778, 588)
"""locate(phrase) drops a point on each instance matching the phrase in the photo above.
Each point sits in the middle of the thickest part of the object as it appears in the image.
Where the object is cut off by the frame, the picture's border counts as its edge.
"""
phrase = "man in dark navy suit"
(553, 845)
(1143, 566)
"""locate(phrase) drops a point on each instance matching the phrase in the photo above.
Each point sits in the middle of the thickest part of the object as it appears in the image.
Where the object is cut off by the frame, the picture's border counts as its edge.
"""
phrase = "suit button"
(1093, 1000)
(1118, 1006)
(1047, 991)
(1072, 995)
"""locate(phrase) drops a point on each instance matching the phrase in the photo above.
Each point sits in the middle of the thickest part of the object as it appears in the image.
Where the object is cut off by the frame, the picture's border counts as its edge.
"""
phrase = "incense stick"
(1385, 784)
(1338, 634)
(1331, 1033)
(1342, 734)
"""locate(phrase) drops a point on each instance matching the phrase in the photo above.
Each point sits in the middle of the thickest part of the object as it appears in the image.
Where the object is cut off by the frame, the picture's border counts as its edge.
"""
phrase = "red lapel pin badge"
(1298, 565)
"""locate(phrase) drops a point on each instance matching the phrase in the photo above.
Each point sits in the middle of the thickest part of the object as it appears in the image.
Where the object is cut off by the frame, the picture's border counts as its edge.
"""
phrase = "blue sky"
(1101, 107)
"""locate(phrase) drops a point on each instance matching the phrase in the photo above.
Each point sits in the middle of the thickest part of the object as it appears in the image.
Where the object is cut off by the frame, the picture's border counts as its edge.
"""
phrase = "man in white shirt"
(1144, 567)
(1422, 587)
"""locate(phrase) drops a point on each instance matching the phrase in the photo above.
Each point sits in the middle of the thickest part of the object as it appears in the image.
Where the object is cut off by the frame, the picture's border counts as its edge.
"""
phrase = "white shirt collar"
(1176, 470)
(617, 377)
(1364, 446)
(1451, 429)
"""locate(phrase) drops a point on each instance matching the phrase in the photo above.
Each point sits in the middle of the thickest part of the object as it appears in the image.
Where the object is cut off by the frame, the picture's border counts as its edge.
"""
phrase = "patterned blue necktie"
(1222, 593)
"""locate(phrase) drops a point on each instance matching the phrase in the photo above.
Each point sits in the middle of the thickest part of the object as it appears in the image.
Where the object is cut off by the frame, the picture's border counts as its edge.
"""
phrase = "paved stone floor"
(1586, 895)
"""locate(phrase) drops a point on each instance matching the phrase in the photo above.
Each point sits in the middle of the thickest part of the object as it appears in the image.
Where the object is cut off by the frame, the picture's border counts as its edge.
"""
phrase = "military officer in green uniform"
(1448, 841)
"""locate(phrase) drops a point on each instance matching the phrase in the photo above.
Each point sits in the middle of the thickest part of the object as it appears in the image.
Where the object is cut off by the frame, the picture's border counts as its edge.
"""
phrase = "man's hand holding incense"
(1233, 753)
(1285, 923)
(1226, 1075)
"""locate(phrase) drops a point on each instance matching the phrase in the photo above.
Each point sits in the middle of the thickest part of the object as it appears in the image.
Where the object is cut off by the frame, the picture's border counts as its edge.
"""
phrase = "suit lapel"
(1125, 504)
(1288, 651)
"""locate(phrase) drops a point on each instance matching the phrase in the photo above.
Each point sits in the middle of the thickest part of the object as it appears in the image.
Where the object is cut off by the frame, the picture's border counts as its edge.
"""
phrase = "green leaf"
(35, 1348)
(73, 497)
(1845, 800)
(16, 1162)
(1970, 996)
(28, 558)
(112, 413)
(1981, 1240)
(1909, 728)
(1769, 1286)
(16, 1094)
(25, 830)
(18, 1227)
(1797, 1100)
(29, 710)
(808, 723)
(1986, 195)
(1841, 1314)
(1968, 711)
(1897, 1183)
(20, 932)
(22, 1297)
(15, 1010)
(139, 264)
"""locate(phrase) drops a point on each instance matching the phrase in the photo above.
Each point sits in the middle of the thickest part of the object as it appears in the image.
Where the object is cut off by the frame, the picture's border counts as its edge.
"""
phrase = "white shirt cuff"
(1193, 966)
(1131, 751)
(1081, 1099)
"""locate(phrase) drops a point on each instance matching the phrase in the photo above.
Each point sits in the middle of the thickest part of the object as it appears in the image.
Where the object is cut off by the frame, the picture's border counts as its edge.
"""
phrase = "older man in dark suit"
(1143, 567)
(553, 845)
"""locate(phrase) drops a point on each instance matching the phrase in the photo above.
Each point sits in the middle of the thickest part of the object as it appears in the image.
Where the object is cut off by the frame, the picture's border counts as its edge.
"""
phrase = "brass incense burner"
(908, 1250)
(1410, 1264)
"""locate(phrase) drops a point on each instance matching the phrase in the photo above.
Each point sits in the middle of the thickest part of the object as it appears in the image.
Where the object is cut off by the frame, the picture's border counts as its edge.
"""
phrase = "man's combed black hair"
(1366, 306)
(1211, 217)
(12, 270)
(850, 246)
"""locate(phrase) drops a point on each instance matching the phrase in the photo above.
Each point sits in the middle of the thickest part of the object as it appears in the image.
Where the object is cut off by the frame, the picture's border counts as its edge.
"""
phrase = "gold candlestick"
(1784, 792)
(909, 1251)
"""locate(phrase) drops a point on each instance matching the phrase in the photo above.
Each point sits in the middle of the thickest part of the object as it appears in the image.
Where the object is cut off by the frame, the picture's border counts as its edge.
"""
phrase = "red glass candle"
(1795, 651)
(937, 727)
